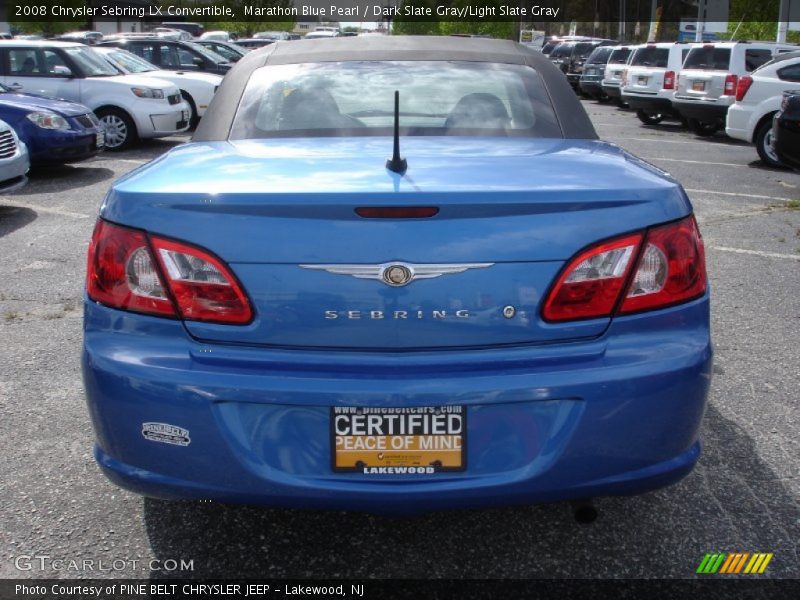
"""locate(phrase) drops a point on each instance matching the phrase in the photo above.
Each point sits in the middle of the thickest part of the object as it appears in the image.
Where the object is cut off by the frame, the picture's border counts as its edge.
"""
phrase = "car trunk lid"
(283, 215)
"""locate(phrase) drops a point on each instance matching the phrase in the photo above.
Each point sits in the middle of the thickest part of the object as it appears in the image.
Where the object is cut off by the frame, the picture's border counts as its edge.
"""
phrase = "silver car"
(14, 161)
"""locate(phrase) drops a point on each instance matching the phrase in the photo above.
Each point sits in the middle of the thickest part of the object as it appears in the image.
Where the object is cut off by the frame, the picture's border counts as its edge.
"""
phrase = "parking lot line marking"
(756, 252)
(692, 162)
(123, 160)
(754, 196)
(661, 140)
(43, 209)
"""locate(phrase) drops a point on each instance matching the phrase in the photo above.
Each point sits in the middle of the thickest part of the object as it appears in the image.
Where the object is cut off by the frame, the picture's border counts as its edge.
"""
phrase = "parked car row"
(128, 106)
(737, 85)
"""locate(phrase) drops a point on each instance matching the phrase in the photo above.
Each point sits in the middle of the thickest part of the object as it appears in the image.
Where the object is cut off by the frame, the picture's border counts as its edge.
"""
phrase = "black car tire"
(602, 97)
(120, 130)
(763, 141)
(702, 128)
(194, 119)
(649, 118)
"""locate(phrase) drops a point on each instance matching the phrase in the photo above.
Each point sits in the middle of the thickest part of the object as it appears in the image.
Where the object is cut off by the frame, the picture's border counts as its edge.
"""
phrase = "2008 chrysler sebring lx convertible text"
(506, 311)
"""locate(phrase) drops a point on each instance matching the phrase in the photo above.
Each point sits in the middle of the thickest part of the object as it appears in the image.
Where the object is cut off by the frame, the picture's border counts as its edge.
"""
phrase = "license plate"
(698, 86)
(398, 441)
(590, 71)
(100, 139)
(642, 80)
(185, 115)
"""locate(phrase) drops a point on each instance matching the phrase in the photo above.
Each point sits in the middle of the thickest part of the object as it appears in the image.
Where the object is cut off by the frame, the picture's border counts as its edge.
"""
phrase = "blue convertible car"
(396, 275)
(55, 131)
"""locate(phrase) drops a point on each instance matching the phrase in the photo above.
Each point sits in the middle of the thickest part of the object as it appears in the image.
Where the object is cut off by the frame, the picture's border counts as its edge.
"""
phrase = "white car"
(758, 98)
(175, 35)
(217, 36)
(129, 106)
(322, 33)
(612, 76)
(649, 80)
(196, 88)
(710, 75)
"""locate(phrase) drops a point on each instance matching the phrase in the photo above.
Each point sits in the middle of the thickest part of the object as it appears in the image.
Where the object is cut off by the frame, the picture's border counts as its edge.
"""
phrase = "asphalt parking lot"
(743, 497)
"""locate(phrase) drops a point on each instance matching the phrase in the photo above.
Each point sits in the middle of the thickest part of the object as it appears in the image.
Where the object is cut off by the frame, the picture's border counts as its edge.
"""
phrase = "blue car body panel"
(554, 410)
(52, 145)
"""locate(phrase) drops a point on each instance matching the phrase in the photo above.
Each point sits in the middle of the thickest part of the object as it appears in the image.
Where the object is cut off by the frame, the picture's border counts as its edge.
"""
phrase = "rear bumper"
(616, 415)
(590, 86)
(611, 90)
(702, 111)
(574, 79)
(647, 103)
(738, 124)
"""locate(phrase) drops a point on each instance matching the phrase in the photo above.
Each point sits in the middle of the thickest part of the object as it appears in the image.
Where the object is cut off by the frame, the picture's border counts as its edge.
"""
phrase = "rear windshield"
(619, 56)
(650, 57)
(599, 56)
(562, 50)
(582, 50)
(357, 99)
(709, 58)
(548, 47)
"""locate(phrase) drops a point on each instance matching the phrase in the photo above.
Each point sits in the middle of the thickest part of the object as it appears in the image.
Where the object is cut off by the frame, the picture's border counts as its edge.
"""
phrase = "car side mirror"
(199, 62)
(62, 71)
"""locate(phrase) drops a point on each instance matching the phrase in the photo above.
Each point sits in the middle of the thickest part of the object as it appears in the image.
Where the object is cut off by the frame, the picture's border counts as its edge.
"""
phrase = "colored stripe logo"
(735, 563)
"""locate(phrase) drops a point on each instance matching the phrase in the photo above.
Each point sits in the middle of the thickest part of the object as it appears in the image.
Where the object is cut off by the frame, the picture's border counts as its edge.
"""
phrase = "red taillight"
(669, 80)
(591, 284)
(204, 289)
(670, 269)
(624, 78)
(730, 85)
(123, 272)
(741, 89)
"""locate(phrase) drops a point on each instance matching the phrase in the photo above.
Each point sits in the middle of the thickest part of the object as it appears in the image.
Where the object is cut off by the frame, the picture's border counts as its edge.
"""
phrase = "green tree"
(753, 19)
(479, 26)
(409, 25)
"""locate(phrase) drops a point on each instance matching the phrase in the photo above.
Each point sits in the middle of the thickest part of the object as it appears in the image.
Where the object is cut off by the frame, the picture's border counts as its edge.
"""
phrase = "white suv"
(649, 80)
(758, 98)
(709, 78)
(129, 106)
(612, 76)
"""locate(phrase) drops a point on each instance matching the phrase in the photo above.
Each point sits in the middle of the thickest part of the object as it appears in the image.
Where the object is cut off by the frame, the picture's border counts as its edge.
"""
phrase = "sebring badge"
(397, 274)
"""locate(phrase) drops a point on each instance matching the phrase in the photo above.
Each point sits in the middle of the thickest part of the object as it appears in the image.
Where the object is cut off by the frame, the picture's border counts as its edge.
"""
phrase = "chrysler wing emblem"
(397, 274)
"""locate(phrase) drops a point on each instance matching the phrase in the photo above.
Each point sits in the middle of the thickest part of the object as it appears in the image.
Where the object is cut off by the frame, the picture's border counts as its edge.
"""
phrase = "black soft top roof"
(216, 123)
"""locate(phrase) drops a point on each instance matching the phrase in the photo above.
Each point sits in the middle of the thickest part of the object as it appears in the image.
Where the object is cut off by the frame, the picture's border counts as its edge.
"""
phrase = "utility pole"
(783, 21)
(655, 21)
(701, 20)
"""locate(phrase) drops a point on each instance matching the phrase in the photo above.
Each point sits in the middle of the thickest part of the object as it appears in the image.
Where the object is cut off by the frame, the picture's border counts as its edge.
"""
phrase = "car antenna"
(397, 164)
